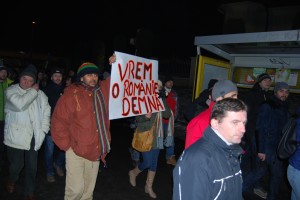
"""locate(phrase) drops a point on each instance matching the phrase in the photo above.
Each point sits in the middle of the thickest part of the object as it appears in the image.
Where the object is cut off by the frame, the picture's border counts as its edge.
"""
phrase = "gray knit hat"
(31, 71)
(223, 87)
(281, 85)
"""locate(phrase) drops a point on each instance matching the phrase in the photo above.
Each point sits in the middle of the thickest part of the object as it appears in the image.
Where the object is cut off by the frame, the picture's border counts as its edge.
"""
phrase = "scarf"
(101, 117)
(169, 140)
(159, 131)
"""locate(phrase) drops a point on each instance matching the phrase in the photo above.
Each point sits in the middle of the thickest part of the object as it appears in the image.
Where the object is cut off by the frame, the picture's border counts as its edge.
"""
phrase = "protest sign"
(133, 88)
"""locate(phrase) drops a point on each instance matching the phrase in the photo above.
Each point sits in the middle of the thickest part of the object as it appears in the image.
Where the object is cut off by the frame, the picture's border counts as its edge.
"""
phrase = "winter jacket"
(144, 124)
(3, 86)
(271, 119)
(253, 99)
(172, 103)
(53, 92)
(295, 158)
(196, 127)
(209, 169)
(73, 123)
(27, 114)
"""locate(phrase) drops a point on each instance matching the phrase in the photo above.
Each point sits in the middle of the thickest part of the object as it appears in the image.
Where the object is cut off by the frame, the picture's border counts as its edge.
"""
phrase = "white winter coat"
(27, 112)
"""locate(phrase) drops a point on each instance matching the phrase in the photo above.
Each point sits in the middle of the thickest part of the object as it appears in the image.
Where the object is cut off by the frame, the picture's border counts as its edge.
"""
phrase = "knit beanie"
(31, 71)
(87, 68)
(281, 85)
(3, 68)
(263, 76)
(222, 87)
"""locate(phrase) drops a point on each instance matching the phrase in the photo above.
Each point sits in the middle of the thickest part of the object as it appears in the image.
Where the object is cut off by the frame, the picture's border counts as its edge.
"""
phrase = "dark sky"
(67, 28)
(63, 29)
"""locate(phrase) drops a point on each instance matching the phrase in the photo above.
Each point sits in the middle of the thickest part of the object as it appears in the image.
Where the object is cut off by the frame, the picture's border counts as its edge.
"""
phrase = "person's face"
(90, 79)
(26, 82)
(40, 75)
(169, 84)
(282, 94)
(232, 126)
(57, 78)
(71, 73)
(160, 87)
(233, 94)
(265, 84)
(3, 75)
(68, 81)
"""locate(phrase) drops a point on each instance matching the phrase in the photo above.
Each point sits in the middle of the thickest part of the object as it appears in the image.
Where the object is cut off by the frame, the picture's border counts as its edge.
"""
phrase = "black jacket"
(208, 169)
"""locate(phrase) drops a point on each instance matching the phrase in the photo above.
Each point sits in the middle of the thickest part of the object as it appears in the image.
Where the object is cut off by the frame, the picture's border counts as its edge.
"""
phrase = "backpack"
(288, 143)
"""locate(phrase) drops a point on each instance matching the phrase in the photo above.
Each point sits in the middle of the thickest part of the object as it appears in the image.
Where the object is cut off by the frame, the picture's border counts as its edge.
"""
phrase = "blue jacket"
(208, 169)
(295, 158)
(272, 117)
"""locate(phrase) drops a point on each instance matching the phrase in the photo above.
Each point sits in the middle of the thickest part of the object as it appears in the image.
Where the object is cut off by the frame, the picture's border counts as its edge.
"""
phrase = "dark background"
(81, 29)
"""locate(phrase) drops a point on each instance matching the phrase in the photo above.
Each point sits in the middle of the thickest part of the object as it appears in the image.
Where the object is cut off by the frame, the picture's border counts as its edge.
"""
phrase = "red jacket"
(197, 125)
(172, 103)
(73, 123)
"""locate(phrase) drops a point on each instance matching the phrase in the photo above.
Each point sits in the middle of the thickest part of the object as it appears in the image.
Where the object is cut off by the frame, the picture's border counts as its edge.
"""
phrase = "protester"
(293, 172)
(209, 169)
(150, 158)
(201, 103)
(4, 83)
(81, 127)
(195, 128)
(27, 122)
(272, 117)
(254, 98)
(54, 157)
(168, 124)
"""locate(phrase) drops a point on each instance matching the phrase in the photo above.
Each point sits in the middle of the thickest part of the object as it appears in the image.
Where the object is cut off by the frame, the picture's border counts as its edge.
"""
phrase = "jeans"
(17, 160)
(52, 151)
(170, 149)
(293, 175)
(135, 155)
(150, 159)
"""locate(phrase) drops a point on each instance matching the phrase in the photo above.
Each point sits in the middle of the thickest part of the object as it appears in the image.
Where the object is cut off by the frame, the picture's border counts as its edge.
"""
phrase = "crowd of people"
(230, 145)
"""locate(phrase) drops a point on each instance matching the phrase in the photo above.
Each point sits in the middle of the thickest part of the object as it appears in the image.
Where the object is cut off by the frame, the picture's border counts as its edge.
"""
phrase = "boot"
(132, 175)
(149, 182)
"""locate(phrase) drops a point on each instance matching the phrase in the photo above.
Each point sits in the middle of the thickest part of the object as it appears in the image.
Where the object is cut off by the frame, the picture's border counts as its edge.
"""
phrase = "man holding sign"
(80, 126)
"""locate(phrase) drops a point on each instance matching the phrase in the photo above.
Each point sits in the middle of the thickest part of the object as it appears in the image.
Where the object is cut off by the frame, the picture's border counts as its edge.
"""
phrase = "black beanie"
(263, 76)
(31, 71)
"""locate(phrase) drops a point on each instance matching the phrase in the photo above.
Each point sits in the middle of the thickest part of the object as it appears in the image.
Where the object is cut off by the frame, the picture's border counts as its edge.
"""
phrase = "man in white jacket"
(27, 120)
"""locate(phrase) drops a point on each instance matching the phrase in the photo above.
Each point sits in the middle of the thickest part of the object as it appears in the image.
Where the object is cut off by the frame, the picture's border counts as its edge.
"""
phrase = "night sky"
(63, 30)
(68, 28)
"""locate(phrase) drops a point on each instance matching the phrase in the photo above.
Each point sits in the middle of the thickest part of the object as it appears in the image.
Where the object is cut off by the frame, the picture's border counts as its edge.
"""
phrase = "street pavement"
(113, 182)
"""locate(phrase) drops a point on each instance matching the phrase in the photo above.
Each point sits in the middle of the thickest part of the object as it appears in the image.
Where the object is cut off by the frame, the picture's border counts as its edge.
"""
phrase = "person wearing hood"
(27, 121)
